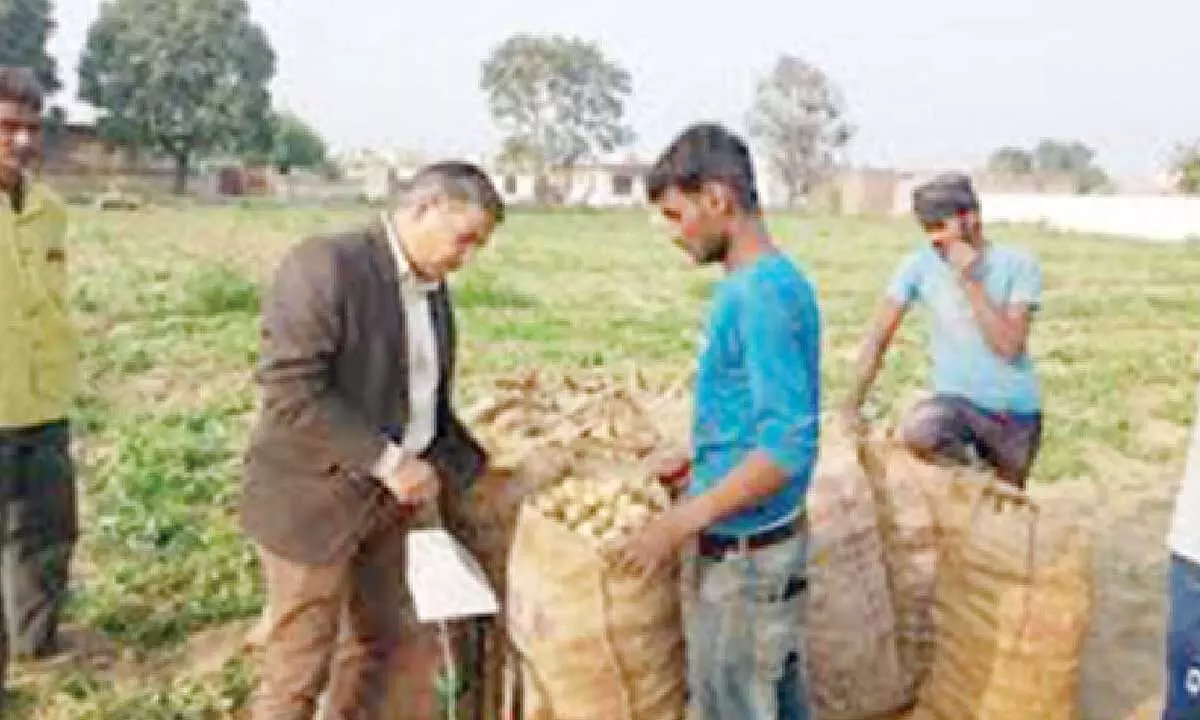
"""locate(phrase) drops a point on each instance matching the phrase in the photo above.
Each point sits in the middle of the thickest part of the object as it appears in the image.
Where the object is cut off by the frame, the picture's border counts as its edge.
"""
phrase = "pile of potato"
(603, 510)
(574, 446)
(597, 414)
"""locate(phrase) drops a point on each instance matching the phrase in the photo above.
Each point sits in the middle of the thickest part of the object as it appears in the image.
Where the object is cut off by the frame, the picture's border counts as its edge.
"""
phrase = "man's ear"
(971, 225)
(717, 198)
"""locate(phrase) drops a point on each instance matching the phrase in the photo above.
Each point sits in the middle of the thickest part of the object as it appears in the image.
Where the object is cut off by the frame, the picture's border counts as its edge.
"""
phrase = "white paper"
(445, 581)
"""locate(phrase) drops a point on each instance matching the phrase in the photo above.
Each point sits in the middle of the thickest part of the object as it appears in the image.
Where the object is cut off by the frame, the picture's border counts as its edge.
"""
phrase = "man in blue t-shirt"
(755, 432)
(979, 299)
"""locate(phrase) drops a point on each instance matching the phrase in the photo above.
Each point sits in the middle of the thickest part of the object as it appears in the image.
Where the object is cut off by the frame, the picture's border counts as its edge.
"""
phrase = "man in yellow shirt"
(38, 522)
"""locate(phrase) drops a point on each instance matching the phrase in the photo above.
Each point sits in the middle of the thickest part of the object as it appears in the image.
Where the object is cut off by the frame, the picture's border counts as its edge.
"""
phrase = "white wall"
(1151, 217)
(594, 188)
(590, 187)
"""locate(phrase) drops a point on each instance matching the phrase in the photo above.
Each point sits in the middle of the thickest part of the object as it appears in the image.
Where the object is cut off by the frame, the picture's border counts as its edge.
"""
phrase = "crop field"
(168, 299)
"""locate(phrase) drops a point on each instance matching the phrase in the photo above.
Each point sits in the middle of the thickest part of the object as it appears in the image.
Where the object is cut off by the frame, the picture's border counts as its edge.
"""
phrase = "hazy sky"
(930, 83)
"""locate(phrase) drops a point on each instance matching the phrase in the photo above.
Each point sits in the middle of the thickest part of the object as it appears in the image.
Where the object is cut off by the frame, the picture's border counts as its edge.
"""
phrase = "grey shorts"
(952, 428)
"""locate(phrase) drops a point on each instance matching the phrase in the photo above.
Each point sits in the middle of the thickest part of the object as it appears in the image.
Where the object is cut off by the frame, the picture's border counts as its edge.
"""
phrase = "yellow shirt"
(37, 340)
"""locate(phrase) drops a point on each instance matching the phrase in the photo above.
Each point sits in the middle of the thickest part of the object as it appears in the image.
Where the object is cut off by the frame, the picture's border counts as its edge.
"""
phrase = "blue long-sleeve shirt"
(758, 386)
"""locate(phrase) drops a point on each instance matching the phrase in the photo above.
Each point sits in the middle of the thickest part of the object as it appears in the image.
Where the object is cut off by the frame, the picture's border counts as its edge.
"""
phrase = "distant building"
(603, 183)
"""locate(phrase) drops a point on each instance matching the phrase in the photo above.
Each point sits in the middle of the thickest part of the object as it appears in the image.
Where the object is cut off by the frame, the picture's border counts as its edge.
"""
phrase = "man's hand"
(415, 482)
(659, 542)
(963, 258)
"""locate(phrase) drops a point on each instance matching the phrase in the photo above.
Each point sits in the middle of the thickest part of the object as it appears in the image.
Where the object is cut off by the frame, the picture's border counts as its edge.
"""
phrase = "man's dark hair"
(459, 180)
(704, 153)
(943, 197)
(20, 85)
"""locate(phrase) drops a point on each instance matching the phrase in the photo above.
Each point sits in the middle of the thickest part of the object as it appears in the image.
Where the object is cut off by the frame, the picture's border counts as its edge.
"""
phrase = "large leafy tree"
(25, 28)
(557, 100)
(799, 120)
(186, 77)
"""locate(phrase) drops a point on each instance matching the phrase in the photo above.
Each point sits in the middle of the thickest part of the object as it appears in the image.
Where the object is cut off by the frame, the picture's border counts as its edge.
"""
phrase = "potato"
(659, 498)
(590, 499)
(572, 515)
(633, 518)
(588, 530)
(612, 537)
(545, 503)
(602, 518)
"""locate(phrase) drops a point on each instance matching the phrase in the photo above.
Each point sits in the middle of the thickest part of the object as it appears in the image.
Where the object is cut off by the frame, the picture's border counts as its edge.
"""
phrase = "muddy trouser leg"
(938, 430)
(1007, 442)
(1011, 444)
(42, 526)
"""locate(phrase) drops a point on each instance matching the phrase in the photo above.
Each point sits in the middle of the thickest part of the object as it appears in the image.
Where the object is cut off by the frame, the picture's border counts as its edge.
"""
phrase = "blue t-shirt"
(963, 363)
(758, 386)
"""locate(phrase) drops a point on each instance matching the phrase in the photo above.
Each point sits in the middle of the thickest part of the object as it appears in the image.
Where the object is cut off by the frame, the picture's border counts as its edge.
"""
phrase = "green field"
(168, 301)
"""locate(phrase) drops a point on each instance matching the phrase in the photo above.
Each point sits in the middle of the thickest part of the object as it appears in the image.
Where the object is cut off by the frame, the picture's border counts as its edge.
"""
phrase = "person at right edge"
(1183, 615)
(980, 298)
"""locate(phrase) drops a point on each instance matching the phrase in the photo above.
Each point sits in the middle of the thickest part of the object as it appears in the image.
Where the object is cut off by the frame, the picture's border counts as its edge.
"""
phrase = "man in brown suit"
(357, 434)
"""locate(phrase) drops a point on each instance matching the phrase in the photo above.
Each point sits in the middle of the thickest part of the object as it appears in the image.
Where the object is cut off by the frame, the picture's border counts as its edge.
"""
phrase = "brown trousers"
(333, 627)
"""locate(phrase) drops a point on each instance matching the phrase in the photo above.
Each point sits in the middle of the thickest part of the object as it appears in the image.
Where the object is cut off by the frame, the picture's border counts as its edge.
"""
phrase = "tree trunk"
(182, 168)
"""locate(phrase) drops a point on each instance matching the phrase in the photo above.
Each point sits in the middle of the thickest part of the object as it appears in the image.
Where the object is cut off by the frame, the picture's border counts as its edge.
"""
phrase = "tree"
(297, 145)
(1011, 160)
(1062, 156)
(557, 100)
(25, 28)
(799, 118)
(188, 77)
(1071, 158)
(286, 142)
(1185, 165)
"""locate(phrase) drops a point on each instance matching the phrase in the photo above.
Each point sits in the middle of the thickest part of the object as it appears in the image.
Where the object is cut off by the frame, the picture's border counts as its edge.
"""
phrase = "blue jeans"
(1183, 642)
(745, 634)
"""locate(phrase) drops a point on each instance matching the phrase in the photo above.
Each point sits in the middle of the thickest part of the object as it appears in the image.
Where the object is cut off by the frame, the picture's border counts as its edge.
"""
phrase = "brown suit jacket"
(334, 383)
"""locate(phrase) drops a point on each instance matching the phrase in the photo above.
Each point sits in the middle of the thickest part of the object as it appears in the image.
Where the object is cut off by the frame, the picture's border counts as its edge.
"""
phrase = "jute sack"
(906, 492)
(595, 642)
(1014, 597)
(853, 665)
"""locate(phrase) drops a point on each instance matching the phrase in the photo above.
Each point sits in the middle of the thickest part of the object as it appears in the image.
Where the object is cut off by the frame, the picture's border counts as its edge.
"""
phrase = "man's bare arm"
(1006, 329)
(870, 355)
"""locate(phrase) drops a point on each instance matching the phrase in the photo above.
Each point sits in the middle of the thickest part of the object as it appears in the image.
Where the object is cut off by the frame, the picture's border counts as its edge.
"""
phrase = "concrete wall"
(867, 192)
(1150, 217)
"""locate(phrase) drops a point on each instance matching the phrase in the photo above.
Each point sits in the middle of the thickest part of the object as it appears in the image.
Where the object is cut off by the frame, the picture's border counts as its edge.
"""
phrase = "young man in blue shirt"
(980, 299)
(755, 436)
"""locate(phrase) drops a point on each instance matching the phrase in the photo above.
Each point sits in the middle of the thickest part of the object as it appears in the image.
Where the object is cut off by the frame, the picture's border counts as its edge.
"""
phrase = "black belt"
(34, 436)
(716, 547)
